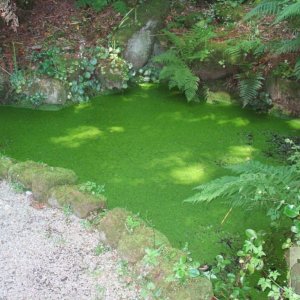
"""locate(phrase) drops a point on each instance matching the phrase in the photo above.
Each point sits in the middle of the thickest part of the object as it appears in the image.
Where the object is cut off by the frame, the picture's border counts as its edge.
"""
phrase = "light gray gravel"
(43, 255)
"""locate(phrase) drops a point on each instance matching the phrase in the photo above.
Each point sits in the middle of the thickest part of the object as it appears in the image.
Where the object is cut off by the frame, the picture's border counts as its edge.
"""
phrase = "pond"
(150, 148)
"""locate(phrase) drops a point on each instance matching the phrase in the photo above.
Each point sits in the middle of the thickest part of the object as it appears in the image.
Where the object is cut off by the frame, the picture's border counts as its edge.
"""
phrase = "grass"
(150, 148)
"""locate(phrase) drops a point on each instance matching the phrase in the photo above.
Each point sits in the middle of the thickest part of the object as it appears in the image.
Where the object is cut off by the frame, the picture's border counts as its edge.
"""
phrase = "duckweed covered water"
(150, 148)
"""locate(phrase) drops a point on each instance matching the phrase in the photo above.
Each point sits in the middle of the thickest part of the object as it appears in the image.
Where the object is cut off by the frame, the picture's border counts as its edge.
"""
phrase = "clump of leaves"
(178, 60)
(92, 188)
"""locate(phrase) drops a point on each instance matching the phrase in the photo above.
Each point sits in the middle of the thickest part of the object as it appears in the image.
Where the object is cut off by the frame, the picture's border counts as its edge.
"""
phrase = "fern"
(178, 74)
(254, 184)
(249, 85)
(240, 48)
(297, 69)
(177, 62)
(289, 46)
(264, 8)
(290, 11)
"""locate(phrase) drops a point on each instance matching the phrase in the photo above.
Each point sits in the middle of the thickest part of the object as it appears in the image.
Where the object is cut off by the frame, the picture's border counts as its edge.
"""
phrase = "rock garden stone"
(81, 203)
(140, 46)
(52, 89)
(45, 179)
(5, 164)
(131, 246)
(113, 225)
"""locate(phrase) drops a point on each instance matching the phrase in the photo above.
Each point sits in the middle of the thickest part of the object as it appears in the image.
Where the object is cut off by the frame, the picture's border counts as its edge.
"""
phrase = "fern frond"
(297, 69)
(168, 58)
(245, 46)
(289, 46)
(265, 8)
(255, 183)
(290, 11)
(249, 86)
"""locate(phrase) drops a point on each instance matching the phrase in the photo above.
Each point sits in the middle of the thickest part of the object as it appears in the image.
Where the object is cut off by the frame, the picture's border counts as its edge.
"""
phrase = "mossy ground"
(150, 148)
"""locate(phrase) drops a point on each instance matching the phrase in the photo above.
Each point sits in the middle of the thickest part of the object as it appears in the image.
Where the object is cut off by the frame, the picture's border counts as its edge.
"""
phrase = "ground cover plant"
(118, 141)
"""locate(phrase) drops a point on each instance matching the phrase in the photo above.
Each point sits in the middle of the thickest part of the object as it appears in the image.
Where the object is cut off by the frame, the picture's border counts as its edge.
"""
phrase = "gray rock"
(213, 71)
(54, 91)
(140, 46)
(285, 95)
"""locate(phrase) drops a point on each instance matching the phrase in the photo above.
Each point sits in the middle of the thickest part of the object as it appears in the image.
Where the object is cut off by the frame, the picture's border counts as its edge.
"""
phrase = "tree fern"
(249, 85)
(254, 184)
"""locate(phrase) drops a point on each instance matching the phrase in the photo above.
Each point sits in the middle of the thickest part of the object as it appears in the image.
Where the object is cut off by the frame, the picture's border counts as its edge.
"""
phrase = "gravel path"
(45, 255)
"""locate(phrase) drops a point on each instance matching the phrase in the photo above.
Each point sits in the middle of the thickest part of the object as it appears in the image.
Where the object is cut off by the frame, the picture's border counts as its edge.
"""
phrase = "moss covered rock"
(45, 179)
(113, 225)
(131, 246)
(24, 172)
(5, 164)
(196, 289)
(82, 204)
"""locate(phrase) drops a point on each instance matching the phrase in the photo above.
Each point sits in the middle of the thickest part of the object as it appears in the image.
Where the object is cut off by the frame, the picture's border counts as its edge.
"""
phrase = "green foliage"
(132, 223)
(242, 48)
(288, 11)
(82, 73)
(20, 84)
(249, 85)
(255, 184)
(185, 50)
(297, 69)
(292, 10)
(288, 46)
(269, 7)
(178, 74)
(92, 188)
(98, 5)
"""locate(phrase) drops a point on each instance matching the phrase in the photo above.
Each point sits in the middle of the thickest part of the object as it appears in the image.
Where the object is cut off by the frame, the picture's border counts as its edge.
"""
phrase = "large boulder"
(39, 177)
(45, 179)
(197, 289)
(132, 245)
(285, 95)
(113, 225)
(24, 172)
(140, 46)
(81, 203)
(52, 90)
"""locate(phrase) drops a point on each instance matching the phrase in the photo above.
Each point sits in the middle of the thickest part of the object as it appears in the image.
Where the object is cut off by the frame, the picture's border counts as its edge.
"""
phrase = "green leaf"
(291, 211)
(87, 75)
(251, 234)
(194, 273)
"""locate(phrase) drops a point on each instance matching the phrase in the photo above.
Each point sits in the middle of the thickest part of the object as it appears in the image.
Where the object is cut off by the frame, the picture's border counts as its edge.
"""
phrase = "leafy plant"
(283, 11)
(132, 223)
(249, 85)
(92, 188)
(178, 61)
(98, 5)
